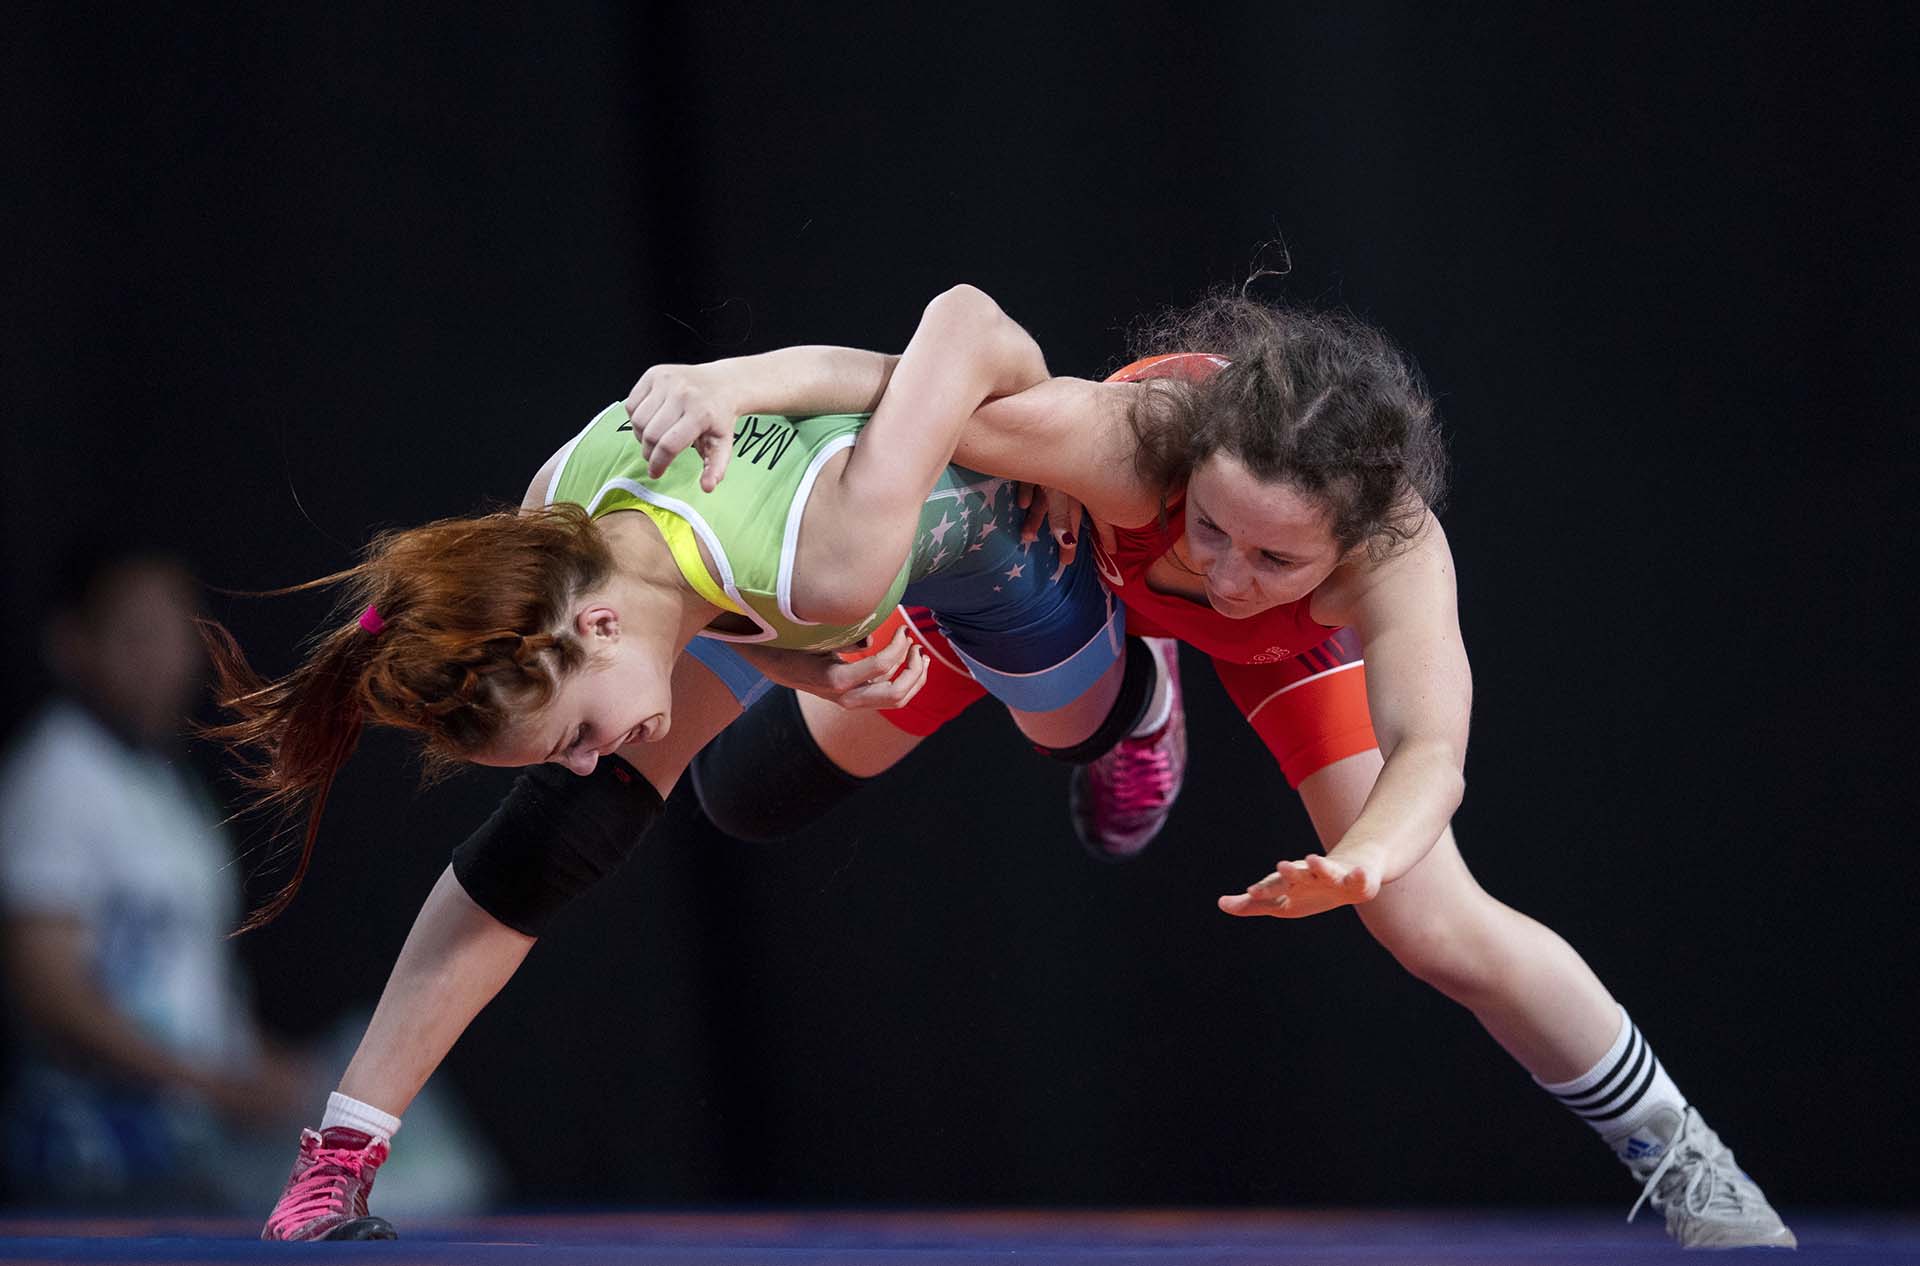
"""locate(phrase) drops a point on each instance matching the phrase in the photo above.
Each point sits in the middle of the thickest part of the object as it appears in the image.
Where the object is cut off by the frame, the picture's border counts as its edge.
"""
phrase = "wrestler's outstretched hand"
(676, 407)
(1314, 884)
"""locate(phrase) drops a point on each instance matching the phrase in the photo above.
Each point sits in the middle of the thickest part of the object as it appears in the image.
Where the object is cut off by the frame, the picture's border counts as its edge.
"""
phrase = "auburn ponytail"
(469, 627)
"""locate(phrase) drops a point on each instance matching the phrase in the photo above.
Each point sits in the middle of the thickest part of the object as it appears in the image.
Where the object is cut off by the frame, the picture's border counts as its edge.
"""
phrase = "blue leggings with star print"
(1034, 633)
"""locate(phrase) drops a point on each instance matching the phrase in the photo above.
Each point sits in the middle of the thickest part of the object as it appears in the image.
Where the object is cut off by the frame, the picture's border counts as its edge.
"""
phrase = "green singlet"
(750, 524)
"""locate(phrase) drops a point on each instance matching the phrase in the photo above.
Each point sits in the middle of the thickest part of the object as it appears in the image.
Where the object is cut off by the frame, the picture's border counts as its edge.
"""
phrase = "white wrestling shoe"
(1708, 1200)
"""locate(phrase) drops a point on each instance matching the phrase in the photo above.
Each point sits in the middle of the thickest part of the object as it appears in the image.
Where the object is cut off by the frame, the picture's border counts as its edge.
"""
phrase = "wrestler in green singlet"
(750, 524)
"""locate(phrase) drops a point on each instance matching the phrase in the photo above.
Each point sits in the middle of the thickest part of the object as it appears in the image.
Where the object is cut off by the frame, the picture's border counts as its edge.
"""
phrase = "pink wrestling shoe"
(1120, 802)
(326, 1195)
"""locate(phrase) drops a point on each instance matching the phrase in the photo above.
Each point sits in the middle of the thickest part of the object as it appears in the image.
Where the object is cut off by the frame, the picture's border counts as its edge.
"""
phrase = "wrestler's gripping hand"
(1311, 885)
(886, 678)
(677, 407)
(1060, 513)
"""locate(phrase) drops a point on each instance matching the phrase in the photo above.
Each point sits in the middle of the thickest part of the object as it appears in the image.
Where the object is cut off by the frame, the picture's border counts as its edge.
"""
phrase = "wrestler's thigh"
(858, 740)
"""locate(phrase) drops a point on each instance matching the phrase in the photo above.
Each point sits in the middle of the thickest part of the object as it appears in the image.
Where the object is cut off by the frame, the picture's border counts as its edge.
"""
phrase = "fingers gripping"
(1060, 513)
(671, 410)
(885, 678)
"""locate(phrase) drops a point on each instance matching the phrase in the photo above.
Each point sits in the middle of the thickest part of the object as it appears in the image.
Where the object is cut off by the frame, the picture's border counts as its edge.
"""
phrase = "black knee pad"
(553, 837)
(1129, 706)
(764, 777)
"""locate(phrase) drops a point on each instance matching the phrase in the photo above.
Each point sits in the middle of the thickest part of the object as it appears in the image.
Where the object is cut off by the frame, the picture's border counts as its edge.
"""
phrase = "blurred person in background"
(137, 1051)
(142, 1080)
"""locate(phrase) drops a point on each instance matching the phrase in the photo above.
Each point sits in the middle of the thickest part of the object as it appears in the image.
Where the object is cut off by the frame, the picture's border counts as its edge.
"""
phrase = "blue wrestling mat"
(1156, 1237)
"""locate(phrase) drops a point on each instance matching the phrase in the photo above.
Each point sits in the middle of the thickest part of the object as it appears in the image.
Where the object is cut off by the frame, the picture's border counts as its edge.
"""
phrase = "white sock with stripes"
(1626, 1097)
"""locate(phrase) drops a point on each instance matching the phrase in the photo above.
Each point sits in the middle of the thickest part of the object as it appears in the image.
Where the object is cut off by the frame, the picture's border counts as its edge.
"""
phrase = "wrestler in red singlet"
(1303, 688)
(1300, 684)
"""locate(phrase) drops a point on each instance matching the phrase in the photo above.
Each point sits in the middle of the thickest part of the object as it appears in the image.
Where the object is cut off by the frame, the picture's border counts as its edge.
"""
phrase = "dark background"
(277, 280)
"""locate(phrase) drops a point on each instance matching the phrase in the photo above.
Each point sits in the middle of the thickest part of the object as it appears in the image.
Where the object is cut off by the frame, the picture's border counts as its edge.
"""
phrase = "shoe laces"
(321, 1190)
(1708, 1182)
(1142, 775)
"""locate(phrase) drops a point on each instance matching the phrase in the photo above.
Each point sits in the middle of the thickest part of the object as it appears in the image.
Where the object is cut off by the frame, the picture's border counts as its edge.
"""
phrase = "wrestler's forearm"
(454, 961)
(802, 381)
(1414, 798)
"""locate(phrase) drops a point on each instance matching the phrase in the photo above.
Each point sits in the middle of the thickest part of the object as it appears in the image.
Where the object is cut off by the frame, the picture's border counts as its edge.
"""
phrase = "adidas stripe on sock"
(363, 1117)
(1627, 1089)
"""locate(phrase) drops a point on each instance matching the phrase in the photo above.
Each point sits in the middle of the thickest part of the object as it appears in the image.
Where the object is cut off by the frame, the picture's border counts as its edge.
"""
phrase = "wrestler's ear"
(597, 624)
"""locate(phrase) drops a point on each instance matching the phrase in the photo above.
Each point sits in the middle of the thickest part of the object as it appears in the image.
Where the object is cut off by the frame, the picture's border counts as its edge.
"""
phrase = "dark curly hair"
(1320, 400)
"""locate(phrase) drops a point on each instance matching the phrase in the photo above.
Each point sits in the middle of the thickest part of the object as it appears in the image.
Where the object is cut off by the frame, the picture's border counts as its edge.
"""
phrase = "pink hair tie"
(370, 620)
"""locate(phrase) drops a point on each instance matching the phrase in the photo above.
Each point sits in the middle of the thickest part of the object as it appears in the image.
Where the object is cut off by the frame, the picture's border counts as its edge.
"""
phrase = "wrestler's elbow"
(964, 306)
(1006, 356)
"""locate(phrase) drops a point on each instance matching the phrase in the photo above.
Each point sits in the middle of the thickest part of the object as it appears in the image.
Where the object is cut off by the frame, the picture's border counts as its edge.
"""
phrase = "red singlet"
(1267, 638)
(1301, 685)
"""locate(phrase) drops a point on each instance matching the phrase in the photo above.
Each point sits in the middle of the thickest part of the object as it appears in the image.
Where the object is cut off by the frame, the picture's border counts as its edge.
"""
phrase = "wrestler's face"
(621, 695)
(1257, 544)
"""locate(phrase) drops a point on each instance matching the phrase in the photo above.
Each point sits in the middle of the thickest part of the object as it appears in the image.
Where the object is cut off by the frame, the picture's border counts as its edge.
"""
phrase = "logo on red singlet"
(1108, 571)
(1272, 655)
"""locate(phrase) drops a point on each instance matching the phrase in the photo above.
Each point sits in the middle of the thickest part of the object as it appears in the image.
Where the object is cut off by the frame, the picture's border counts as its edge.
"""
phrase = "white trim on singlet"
(710, 540)
(566, 455)
(789, 543)
(1303, 681)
